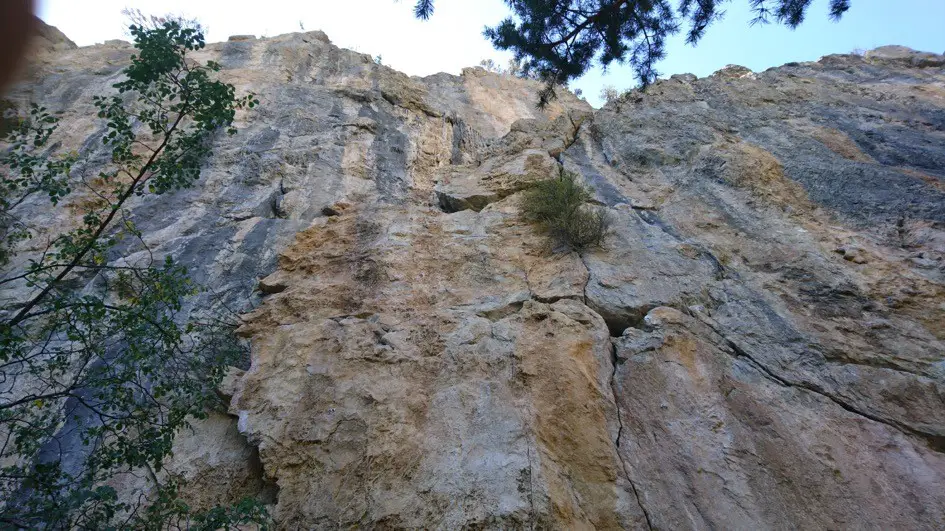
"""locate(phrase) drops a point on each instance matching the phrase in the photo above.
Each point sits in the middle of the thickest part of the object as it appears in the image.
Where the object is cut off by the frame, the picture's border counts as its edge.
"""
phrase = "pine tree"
(559, 40)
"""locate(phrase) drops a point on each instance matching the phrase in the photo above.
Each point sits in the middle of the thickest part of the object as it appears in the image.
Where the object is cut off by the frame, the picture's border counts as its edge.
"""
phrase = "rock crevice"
(617, 441)
(760, 342)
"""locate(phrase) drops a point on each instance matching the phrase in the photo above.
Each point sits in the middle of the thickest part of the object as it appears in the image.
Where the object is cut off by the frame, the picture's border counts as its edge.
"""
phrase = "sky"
(452, 38)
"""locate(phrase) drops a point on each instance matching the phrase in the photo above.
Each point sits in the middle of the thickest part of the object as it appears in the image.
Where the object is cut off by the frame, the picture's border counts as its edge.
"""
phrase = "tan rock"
(758, 343)
(906, 56)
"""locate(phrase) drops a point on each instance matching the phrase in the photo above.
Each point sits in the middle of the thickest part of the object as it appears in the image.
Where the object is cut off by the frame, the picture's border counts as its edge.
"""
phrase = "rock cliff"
(760, 343)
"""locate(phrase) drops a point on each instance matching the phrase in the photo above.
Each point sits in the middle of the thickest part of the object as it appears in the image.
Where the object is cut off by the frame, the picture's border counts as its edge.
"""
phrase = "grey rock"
(906, 56)
(709, 433)
(758, 343)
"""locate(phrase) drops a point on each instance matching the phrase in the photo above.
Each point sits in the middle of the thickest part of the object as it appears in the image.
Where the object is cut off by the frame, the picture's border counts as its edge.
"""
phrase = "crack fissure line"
(531, 487)
(613, 351)
(934, 442)
(588, 281)
(623, 464)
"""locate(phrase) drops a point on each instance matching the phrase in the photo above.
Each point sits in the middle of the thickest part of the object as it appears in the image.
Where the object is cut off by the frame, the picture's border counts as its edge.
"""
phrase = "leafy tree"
(561, 39)
(491, 66)
(609, 94)
(100, 363)
(513, 68)
(140, 19)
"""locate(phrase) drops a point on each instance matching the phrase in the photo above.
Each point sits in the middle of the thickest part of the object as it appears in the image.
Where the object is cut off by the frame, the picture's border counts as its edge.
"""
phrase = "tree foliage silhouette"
(559, 40)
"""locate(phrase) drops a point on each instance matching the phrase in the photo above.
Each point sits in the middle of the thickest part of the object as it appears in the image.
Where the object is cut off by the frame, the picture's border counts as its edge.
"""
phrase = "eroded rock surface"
(760, 343)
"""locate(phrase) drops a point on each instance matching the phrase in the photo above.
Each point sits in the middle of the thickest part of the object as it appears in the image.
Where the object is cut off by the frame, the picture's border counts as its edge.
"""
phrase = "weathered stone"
(217, 462)
(906, 56)
(422, 362)
(733, 72)
(852, 253)
(460, 188)
(50, 39)
(759, 343)
(709, 433)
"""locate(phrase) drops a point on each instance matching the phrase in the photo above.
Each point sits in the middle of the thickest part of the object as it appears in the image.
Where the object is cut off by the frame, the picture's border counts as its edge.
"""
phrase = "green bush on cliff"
(560, 205)
(100, 363)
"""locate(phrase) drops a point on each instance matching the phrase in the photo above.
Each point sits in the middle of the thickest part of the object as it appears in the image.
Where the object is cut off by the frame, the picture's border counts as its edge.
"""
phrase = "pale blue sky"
(453, 38)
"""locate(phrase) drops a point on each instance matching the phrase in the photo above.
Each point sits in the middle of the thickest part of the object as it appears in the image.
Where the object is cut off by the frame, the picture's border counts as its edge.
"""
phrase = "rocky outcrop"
(50, 39)
(760, 343)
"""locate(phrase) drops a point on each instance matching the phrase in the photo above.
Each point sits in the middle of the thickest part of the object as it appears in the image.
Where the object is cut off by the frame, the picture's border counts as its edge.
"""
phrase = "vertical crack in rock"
(636, 493)
(531, 487)
(575, 129)
(588, 281)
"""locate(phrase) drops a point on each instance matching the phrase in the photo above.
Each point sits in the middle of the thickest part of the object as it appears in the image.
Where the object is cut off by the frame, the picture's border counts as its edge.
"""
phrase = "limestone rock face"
(50, 39)
(760, 342)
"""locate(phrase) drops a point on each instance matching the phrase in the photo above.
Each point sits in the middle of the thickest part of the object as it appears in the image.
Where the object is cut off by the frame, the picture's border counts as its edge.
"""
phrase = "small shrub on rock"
(586, 227)
(554, 198)
(560, 205)
(609, 94)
